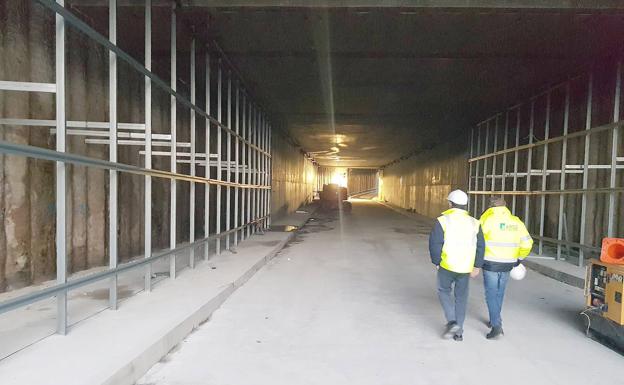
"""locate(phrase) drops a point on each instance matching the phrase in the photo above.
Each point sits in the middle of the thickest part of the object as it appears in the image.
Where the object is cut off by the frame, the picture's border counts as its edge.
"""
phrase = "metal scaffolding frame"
(253, 174)
(481, 176)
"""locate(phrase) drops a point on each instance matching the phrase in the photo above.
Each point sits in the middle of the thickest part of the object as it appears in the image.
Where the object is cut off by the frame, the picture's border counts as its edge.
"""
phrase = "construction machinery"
(604, 287)
(334, 197)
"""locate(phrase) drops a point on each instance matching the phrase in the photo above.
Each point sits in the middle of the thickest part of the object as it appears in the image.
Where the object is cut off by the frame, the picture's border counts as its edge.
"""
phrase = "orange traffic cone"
(612, 250)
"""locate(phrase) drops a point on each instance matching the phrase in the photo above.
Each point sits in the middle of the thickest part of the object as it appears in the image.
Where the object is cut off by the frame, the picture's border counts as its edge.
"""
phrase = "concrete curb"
(135, 369)
(408, 214)
(558, 275)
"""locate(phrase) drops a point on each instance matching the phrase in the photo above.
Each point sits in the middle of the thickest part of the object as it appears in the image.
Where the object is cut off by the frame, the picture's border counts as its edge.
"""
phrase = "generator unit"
(604, 287)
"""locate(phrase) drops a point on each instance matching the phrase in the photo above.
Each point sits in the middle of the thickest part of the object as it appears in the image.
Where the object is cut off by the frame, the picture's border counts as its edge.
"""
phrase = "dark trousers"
(453, 283)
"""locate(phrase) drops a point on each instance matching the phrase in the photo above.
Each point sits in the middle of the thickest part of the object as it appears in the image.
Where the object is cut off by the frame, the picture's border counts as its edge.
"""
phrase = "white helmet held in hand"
(458, 197)
(518, 272)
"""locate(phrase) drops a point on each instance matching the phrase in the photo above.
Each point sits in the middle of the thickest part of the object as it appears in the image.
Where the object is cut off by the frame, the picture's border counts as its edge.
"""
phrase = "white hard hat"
(518, 272)
(458, 197)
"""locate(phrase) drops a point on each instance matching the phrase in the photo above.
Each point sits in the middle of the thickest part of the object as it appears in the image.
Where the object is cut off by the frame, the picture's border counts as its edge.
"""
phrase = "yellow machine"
(603, 289)
(604, 286)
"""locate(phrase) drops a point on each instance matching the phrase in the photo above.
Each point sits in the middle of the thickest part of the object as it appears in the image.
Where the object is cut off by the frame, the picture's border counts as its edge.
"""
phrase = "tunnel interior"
(266, 102)
(364, 86)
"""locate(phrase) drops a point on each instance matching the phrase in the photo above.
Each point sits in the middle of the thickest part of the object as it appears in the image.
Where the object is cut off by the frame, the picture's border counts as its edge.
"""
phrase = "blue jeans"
(495, 284)
(457, 284)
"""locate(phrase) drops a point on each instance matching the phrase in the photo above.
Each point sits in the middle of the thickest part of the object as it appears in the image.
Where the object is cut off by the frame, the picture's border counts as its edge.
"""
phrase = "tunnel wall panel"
(27, 192)
(422, 182)
(294, 177)
(360, 180)
(568, 190)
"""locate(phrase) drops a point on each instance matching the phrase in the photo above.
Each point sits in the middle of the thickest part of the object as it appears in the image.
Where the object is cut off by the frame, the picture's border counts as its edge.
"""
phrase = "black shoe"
(496, 332)
(451, 328)
(458, 337)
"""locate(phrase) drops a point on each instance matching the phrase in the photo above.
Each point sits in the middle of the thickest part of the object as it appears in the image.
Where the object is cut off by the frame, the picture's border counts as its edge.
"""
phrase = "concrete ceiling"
(360, 86)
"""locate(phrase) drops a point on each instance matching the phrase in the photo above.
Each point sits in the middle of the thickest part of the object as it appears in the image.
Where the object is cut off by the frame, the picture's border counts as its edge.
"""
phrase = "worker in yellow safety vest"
(456, 246)
(507, 243)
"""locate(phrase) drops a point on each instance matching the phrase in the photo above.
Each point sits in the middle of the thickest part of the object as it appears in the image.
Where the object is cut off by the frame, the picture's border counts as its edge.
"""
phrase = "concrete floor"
(352, 301)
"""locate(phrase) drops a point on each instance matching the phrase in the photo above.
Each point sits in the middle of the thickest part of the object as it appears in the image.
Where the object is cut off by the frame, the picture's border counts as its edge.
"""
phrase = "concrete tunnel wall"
(422, 182)
(27, 186)
(361, 179)
(293, 177)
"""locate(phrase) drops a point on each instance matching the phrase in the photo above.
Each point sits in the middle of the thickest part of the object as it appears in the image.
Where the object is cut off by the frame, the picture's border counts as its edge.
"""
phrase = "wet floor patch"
(102, 294)
(318, 224)
(412, 230)
(269, 243)
(284, 228)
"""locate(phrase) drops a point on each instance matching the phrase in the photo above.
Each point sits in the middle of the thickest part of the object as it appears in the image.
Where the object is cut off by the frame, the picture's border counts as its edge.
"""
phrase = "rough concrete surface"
(117, 347)
(352, 301)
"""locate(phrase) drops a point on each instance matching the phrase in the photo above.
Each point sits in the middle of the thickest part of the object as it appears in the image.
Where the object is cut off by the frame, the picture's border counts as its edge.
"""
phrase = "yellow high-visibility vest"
(460, 240)
(506, 237)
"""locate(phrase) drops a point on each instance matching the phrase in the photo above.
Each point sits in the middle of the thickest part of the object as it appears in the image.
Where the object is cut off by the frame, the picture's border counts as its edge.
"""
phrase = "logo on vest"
(507, 227)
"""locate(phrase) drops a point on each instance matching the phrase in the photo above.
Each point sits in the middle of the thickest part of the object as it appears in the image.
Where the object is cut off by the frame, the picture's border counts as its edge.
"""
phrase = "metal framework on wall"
(515, 154)
(247, 176)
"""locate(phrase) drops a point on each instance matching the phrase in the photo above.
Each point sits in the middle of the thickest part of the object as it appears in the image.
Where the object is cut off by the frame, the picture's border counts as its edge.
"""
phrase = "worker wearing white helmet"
(507, 243)
(456, 246)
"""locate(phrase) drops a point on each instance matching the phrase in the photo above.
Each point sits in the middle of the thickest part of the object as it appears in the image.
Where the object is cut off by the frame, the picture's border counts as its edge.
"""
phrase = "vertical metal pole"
(564, 159)
(252, 135)
(261, 170)
(174, 144)
(112, 153)
(614, 152)
(249, 165)
(258, 180)
(207, 190)
(529, 164)
(493, 186)
(505, 140)
(515, 172)
(544, 174)
(270, 174)
(485, 162)
(193, 163)
(61, 250)
(148, 145)
(237, 143)
(263, 194)
(470, 171)
(219, 145)
(267, 180)
(477, 169)
(244, 164)
(588, 120)
(228, 174)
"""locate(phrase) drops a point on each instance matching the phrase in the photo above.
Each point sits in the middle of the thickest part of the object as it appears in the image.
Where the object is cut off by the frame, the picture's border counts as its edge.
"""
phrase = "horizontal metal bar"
(27, 86)
(601, 190)
(44, 153)
(592, 166)
(106, 134)
(180, 154)
(542, 93)
(100, 39)
(568, 243)
(534, 173)
(51, 291)
(578, 134)
(70, 123)
(129, 142)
